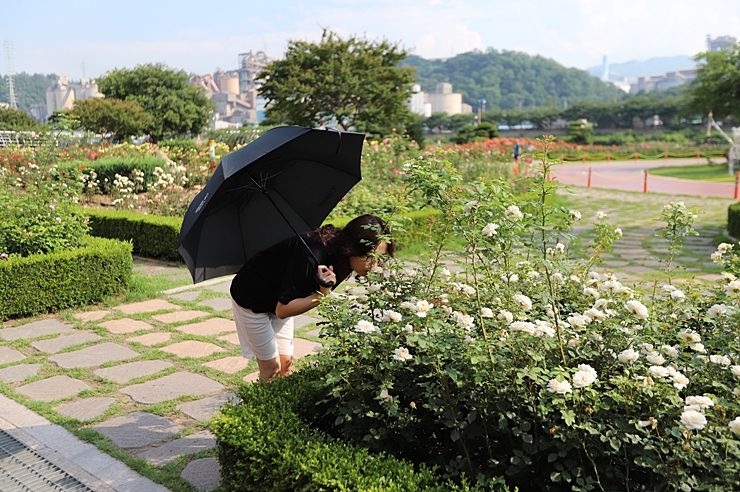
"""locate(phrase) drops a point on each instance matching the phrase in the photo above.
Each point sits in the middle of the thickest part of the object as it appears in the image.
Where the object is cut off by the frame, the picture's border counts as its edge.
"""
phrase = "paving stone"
(203, 474)
(93, 356)
(650, 263)
(126, 372)
(204, 408)
(160, 270)
(224, 288)
(92, 315)
(302, 347)
(231, 338)
(192, 348)
(21, 372)
(86, 409)
(252, 377)
(137, 429)
(54, 345)
(151, 338)
(229, 365)
(36, 329)
(172, 386)
(300, 321)
(317, 331)
(209, 327)
(167, 452)
(179, 316)
(147, 306)
(53, 388)
(639, 269)
(217, 303)
(709, 277)
(610, 263)
(125, 325)
(8, 355)
(187, 296)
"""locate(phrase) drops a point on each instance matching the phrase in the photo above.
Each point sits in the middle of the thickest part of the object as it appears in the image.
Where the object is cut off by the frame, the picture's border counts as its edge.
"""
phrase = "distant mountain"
(634, 68)
(29, 89)
(510, 79)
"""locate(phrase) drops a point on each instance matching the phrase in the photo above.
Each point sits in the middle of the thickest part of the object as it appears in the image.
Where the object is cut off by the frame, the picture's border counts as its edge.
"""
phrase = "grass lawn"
(700, 172)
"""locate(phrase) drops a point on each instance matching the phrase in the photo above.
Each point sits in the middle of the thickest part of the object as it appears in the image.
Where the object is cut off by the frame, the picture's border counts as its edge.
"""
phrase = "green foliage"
(530, 364)
(581, 132)
(29, 89)
(733, 220)
(235, 138)
(152, 236)
(107, 168)
(469, 133)
(354, 83)
(17, 120)
(177, 108)
(264, 445)
(51, 282)
(510, 79)
(112, 118)
(716, 85)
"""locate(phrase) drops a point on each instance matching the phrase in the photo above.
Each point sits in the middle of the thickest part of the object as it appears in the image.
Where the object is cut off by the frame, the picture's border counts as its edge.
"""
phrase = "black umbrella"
(284, 183)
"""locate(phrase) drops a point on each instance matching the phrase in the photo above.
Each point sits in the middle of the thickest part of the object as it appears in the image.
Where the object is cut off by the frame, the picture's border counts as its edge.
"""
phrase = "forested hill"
(29, 89)
(510, 79)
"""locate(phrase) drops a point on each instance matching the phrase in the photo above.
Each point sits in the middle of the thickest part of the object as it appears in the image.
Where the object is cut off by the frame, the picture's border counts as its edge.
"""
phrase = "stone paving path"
(146, 375)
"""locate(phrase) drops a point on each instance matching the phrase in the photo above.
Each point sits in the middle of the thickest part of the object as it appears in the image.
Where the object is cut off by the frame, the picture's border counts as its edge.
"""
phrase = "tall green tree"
(111, 117)
(717, 84)
(16, 120)
(355, 83)
(177, 108)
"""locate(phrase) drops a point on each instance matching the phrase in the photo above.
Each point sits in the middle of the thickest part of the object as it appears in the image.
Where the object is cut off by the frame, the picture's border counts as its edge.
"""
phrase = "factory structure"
(441, 100)
(234, 93)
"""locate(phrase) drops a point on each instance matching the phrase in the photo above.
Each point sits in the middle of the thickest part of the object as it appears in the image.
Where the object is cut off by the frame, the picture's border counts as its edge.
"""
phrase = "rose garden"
(499, 351)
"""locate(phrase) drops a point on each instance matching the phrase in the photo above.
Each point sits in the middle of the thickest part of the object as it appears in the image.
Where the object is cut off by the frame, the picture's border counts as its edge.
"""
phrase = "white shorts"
(262, 335)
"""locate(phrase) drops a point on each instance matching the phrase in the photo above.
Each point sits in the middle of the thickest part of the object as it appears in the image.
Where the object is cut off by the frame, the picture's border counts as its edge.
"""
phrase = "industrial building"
(441, 100)
(62, 95)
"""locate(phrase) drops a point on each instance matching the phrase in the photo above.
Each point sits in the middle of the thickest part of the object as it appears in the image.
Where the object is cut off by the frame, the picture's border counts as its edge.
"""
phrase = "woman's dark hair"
(358, 238)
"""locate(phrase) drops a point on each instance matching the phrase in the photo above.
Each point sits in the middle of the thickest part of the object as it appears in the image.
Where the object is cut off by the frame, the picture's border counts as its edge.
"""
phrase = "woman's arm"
(303, 304)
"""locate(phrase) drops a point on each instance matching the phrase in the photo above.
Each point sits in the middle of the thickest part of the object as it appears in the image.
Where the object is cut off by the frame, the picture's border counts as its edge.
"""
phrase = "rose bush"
(523, 363)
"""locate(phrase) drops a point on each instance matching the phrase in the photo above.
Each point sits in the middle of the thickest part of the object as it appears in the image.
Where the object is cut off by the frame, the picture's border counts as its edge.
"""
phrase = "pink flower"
(58, 219)
(3, 256)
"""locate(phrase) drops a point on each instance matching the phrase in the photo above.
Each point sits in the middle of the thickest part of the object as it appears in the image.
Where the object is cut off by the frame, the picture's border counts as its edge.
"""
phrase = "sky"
(87, 38)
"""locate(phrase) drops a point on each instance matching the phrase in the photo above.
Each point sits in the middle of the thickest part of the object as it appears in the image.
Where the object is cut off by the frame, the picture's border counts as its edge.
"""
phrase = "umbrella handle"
(322, 282)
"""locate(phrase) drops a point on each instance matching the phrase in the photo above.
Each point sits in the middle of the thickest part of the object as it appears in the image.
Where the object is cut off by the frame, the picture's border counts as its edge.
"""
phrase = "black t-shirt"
(282, 272)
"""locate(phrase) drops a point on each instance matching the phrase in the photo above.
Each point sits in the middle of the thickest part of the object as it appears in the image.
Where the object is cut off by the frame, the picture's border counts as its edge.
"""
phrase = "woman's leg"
(257, 339)
(284, 332)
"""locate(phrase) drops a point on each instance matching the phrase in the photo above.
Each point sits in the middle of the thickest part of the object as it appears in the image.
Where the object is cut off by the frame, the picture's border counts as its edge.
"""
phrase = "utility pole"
(481, 108)
(11, 73)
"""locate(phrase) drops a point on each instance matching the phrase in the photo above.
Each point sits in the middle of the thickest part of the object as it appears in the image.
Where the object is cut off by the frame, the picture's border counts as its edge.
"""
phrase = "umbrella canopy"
(285, 182)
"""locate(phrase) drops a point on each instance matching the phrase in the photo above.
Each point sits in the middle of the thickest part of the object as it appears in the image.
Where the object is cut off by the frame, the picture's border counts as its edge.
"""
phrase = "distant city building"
(418, 102)
(720, 43)
(234, 93)
(663, 81)
(4, 105)
(443, 100)
(62, 94)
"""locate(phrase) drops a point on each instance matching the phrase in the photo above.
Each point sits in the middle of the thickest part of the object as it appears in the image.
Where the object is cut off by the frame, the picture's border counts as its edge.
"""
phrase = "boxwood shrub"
(50, 282)
(152, 236)
(108, 167)
(733, 220)
(264, 444)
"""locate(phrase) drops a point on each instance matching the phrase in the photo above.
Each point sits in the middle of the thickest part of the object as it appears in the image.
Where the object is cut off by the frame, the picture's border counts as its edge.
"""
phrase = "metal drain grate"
(24, 470)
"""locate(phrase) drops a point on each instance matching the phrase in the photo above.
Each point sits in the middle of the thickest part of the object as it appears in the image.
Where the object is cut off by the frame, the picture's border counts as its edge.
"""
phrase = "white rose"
(402, 353)
(700, 401)
(505, 316)
(655, 358)
(559, 387)
(658, 371)
(490, 230)
(689, 336)
(600, 214)
(595, 314)
(693, 420)
(445, 273)
(374, 288)
(523, 301)
(679, 380)
(638, 308)
(364, 326)
(588, 291)
(513, 213)
(735, 425)
(581, 379)
(698, 347)
(524, 326)
(578, 320)
(628, 356)
(391, 316)
(465, 321)
(486, 312)
(736, 371)
(671, 352)
(720, 359)
(575, 214)
(678, 294)
(717, 310)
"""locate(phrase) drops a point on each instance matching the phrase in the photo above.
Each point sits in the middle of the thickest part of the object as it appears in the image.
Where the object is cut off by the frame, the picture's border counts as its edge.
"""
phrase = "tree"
(177, 108)
(16, 120)
(110, 117)
(717, 84)
(356, 83)
(469, 133)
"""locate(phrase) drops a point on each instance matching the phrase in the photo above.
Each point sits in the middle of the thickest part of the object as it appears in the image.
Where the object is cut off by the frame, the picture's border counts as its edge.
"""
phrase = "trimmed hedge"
(152, 236)
(264, 445)
(108, 167)
(733, 220)
(51, 282)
